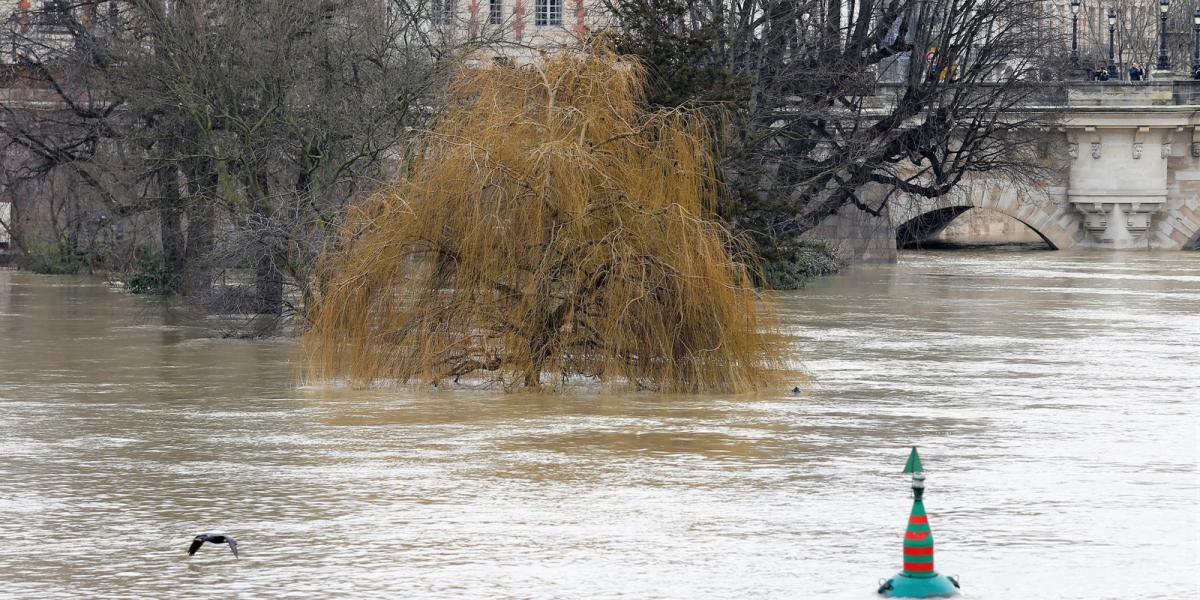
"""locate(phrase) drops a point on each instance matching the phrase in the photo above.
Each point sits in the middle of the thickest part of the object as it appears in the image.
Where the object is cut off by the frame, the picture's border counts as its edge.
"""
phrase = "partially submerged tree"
(548, 228)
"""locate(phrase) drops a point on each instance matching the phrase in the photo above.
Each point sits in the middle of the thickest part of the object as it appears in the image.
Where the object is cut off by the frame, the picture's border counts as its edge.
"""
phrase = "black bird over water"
(215, 538)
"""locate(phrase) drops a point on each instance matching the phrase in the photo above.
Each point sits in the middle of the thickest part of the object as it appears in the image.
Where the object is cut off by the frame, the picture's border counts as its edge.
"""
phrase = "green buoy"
(918, 579)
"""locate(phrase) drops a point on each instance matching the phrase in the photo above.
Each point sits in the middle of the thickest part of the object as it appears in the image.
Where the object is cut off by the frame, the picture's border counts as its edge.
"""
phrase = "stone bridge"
(1129, 159)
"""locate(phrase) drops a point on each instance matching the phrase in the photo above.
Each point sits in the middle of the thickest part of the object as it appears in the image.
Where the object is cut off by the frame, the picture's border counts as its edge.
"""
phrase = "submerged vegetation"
(150, 274)
(549, 229)
(48, 255)
(788, 265)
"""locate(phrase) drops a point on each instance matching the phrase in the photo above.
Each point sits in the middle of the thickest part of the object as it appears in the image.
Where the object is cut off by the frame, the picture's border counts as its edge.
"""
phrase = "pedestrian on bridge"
(1136, 73)
(1100, 74)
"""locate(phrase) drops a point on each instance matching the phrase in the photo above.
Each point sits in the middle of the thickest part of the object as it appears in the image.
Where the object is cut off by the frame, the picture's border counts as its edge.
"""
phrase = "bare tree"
(242, 128)
(829, 99)
(1136, 36)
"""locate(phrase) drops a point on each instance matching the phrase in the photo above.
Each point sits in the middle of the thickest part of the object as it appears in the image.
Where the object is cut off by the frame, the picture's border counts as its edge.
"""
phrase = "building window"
(549, 12)
(55, 17)
(495, 12)
(443, 12)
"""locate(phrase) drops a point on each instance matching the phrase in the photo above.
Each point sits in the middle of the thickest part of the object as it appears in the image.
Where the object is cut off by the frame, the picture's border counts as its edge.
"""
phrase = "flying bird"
(214, 538)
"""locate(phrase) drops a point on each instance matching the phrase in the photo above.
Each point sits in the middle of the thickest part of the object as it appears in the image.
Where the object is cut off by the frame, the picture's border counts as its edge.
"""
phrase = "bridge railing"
(1138, 93)
(887, 95)
(1073, 94)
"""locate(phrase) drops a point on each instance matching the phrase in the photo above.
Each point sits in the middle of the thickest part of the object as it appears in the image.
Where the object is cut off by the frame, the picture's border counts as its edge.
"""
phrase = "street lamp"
(1075, 32)
(1196, 53)
(1164, 63)
(1112, 28)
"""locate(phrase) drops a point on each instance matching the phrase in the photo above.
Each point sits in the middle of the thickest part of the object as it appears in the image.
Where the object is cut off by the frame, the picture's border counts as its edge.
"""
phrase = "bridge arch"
(925, 226)
(1057, 223)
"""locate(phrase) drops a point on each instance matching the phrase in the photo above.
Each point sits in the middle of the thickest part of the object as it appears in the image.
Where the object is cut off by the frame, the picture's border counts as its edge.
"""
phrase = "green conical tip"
(914, 462)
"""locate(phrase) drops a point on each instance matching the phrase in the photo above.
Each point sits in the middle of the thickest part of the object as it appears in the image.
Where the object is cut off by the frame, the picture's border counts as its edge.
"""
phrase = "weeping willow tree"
(550, 229)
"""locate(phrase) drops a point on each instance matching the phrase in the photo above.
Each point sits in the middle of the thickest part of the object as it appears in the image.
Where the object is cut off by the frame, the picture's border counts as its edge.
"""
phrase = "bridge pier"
(1127, 175)
(1133, 186)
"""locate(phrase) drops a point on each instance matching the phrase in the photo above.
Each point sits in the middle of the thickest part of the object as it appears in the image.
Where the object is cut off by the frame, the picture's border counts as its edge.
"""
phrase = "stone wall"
(1178, 226)
(858, 236)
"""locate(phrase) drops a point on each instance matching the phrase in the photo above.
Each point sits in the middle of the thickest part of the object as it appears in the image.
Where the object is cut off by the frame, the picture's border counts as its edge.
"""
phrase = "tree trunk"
(201, 222)
(170, 219)
(268, 278)
(268, 285)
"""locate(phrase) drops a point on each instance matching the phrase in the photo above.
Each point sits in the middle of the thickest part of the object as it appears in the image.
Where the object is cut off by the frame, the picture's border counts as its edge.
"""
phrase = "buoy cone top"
(914, 462)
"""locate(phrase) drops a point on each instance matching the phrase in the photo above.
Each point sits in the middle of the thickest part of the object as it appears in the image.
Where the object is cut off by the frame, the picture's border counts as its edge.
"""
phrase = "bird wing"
(196, 543)
(232, 545)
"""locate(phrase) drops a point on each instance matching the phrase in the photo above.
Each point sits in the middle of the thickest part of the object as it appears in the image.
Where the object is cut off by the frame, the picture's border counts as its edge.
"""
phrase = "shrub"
(788, 265)
(150, 274)
(47, 255)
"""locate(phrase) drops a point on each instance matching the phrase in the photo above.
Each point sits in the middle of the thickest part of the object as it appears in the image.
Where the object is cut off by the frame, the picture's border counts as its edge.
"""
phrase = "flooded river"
(1055, 398)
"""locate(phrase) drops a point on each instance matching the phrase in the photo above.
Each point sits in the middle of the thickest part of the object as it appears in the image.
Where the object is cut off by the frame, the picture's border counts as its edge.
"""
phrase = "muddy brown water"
(1055, 398)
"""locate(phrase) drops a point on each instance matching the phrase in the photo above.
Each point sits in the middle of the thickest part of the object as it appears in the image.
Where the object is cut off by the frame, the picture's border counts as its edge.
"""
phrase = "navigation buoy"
(918, 579)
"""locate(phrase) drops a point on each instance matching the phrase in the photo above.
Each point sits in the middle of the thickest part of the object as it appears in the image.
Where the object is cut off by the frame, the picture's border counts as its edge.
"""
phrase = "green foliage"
(788, 264)
(151, 274)
(47, 255)
(692, 66)
(683, 66)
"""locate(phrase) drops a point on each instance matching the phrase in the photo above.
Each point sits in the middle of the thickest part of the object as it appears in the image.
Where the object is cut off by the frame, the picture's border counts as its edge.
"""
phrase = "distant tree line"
(1136, 34)
(238, 129)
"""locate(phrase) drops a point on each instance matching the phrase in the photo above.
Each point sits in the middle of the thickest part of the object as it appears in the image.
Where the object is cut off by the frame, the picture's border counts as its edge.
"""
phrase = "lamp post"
(1075, 32)
(1196, 51)
(1112, 29)
(1164, 62)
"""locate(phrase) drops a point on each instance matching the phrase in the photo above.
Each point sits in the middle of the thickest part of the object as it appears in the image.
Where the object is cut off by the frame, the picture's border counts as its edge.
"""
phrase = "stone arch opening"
(926, 225)
(918, 230)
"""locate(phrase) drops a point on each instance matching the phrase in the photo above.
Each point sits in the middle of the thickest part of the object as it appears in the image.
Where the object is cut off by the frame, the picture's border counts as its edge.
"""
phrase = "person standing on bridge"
(1100, 74)
(933, 63)
(1136, 73)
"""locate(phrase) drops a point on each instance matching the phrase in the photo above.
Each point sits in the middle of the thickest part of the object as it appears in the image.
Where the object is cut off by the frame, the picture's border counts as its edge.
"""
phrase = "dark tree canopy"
(831, 102)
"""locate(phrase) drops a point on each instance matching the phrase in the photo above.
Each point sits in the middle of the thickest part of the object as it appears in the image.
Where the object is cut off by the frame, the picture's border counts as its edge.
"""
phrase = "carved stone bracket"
(1139, 141)
(1168, 146)
(1095, 149)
